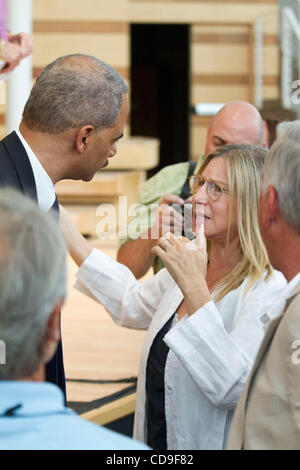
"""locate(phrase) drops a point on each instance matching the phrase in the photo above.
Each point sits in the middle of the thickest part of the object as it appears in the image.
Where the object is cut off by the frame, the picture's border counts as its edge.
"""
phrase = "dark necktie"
(55, 372)
(55, 207)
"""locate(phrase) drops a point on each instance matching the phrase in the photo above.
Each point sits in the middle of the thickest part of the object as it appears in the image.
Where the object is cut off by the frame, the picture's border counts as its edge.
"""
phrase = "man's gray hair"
(32, 281)
(282, 170)
(74, 91)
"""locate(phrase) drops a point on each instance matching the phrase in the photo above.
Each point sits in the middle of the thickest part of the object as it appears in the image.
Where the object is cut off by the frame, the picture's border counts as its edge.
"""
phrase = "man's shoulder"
(77, 433)
(292, 311)
(168, 180)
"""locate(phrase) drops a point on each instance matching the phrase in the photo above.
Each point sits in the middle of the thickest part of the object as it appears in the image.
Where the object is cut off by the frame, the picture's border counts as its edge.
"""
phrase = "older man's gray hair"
(32, 281)
(282, 170)
(73, 91)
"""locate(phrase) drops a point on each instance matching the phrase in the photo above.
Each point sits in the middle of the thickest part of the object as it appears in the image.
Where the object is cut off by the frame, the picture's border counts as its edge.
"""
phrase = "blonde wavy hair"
(244, 166)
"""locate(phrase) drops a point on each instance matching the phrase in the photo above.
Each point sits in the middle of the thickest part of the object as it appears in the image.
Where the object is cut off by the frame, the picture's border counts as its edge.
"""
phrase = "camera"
(186, 210)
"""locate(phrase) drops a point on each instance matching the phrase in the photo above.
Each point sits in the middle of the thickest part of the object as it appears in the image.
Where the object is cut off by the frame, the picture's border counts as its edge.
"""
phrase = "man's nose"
(113, 150)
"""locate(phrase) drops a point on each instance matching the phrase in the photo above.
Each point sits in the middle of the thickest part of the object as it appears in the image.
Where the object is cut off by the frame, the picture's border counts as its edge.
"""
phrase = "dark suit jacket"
(16, 172)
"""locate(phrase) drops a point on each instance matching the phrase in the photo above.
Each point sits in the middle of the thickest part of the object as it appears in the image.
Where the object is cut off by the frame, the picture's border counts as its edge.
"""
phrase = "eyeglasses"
(214, 190)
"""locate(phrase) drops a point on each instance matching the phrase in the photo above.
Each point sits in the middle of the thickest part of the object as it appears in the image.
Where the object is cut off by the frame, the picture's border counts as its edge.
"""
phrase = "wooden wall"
(221, 42)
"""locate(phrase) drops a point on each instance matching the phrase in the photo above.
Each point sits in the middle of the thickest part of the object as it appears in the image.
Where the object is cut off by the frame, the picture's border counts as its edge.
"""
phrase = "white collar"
(44, 186)
(290, 287)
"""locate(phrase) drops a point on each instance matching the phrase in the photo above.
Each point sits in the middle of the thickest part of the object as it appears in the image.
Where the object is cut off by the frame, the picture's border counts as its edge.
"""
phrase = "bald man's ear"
(82, 138)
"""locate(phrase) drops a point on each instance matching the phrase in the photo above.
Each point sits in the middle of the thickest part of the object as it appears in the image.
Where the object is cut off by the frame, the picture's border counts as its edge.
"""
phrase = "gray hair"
(32, 281)
(288, 130)
(282, 170)
(73, 91)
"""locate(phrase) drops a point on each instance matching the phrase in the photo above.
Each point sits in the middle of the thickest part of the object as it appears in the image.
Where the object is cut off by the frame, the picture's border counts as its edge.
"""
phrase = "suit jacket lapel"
(21, 162)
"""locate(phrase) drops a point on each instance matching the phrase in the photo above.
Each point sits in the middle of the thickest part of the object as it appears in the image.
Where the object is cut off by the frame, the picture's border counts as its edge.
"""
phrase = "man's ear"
(271, 207)
(52, 335)
(82, 137)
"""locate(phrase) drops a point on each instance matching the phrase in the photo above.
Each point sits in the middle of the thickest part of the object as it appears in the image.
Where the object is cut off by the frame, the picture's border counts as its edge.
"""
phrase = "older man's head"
(75, 115)
(32, 285)
(237, 122)
(280, 197)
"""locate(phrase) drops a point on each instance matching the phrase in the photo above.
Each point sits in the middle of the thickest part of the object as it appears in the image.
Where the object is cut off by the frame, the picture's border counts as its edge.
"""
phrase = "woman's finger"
(163, 243)
(200, 236)
(158, 251)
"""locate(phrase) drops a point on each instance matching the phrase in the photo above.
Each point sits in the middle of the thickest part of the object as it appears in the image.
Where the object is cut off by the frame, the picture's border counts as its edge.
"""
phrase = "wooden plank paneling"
(220, 79)
(205, 1)
(58, 26)
(113, 48)
(219, 59)
(203, 11)
(224, 79)
(219, 94)
(230, 38)
(102, 10)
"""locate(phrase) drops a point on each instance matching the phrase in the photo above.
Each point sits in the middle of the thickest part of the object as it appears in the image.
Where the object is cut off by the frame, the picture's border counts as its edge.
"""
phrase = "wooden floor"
(95, 348)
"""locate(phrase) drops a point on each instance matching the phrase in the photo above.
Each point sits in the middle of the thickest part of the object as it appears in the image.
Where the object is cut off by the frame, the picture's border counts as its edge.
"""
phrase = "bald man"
(237, 122)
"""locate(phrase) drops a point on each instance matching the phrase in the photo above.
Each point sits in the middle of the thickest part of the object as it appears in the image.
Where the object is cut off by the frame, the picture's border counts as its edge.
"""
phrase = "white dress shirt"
(44, 186)
(211, 352)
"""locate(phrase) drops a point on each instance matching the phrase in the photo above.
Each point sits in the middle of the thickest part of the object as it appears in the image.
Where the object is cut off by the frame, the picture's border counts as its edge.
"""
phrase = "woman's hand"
(78, 246)
(186, 261)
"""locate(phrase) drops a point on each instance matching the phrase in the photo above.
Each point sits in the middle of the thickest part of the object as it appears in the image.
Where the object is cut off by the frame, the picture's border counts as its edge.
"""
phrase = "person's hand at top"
(11, 54)
(23, 40)
(16, 48)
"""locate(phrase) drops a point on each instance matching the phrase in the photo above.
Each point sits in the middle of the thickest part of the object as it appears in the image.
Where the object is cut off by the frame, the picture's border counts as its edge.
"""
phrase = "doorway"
(160, 88)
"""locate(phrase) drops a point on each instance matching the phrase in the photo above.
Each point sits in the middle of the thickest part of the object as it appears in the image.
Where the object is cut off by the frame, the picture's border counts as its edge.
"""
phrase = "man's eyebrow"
(118, 138)
(219, 138)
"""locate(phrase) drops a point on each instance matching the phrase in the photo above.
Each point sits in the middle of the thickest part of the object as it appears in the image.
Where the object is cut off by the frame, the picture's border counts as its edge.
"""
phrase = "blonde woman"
(204, 328)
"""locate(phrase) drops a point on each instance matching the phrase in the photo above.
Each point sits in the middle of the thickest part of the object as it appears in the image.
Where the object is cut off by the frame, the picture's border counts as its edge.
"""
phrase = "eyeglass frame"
(199, 177)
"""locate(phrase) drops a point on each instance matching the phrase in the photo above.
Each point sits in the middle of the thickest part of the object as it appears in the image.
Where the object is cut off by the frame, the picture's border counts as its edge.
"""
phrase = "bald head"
(237, 122)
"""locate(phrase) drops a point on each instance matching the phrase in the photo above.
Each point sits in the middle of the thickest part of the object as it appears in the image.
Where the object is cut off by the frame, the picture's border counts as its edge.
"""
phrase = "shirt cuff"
(187, 331)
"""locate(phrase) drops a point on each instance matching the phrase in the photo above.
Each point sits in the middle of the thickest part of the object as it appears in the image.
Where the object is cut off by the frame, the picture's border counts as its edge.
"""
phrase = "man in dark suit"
(71, 123)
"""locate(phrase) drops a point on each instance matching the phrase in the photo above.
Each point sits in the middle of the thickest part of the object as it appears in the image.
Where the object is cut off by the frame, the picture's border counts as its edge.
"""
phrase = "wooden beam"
(234, 79)
(112, 411)
(206, 1)
(57, 26)
(230, 38)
